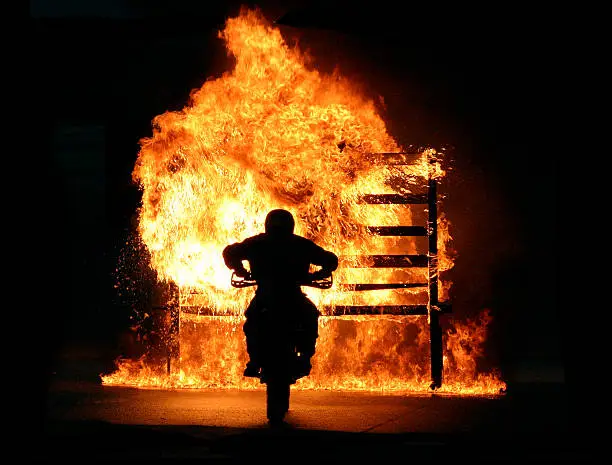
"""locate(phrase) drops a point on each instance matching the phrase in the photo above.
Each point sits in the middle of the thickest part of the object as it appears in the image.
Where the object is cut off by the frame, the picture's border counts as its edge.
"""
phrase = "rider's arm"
(233, 255)
(328, 261)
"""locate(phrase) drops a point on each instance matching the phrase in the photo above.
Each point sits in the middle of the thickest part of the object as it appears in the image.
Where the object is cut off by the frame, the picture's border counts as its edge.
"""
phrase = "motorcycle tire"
(277, 400)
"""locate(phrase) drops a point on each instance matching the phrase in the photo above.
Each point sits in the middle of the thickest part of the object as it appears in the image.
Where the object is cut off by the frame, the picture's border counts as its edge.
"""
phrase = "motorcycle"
(280, 356)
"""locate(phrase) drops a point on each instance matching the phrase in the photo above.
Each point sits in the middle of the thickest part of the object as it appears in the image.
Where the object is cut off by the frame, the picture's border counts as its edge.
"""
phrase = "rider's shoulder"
(249, 241)
(256, 238)
(304, 241)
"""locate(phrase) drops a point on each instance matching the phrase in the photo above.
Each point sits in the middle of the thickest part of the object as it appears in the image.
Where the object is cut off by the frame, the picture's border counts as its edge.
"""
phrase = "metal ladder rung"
(375, 287)
(396, 158)
(397, 230)
(350, 310)
(383, 261)
(394, 199)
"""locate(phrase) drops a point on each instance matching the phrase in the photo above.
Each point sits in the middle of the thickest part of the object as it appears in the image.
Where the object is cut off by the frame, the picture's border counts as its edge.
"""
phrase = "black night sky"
(472, 78)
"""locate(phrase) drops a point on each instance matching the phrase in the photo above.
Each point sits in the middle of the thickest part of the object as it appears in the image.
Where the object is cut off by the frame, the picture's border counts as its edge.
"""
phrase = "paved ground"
(87, 422)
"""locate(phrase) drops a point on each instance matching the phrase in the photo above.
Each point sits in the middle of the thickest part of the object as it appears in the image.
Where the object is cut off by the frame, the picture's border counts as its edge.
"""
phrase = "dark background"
(476, 79)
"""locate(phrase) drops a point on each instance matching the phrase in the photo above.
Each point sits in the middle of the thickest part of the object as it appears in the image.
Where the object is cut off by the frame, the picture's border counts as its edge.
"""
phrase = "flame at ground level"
(387, 354)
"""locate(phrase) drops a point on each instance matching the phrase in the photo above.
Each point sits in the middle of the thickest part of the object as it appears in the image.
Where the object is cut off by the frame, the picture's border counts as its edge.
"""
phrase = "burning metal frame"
(432, 309)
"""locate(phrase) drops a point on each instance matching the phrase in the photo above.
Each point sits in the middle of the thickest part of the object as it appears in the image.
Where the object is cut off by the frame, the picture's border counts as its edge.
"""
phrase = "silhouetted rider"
(279, 260)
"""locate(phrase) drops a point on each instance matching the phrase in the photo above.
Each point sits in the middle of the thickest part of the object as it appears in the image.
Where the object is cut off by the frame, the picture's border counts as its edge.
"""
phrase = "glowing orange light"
(273, 133)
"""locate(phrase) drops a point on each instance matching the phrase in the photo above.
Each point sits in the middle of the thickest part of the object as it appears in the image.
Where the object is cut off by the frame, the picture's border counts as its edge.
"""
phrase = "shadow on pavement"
(93, 441)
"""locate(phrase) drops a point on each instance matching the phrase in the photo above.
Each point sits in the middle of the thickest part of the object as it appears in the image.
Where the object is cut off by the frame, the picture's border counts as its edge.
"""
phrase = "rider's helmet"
(279, 222)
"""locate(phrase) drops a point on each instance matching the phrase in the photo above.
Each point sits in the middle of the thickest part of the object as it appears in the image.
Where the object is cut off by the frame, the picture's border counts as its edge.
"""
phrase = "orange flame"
(274, 134)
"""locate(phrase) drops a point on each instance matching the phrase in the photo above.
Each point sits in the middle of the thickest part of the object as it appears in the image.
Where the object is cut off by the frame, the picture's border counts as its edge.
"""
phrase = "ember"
(273, 133)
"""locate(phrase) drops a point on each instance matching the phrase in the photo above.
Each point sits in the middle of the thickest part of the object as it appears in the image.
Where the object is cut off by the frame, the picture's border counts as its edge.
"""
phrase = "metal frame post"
(433, 310)
(173, 343)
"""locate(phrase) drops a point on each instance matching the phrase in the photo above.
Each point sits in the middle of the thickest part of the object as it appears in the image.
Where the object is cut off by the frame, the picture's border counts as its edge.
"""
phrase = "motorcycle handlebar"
(324, 283)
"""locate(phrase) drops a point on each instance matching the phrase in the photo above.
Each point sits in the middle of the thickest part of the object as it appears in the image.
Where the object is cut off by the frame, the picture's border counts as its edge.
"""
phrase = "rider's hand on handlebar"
(319, 275)
(242, 273)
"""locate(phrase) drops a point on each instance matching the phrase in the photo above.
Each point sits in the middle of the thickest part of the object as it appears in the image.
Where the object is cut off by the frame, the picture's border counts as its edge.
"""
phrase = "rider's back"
(281, 261)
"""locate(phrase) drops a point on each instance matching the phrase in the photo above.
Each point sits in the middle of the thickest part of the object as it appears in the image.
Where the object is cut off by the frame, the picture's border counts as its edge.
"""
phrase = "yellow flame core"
(273, 134)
